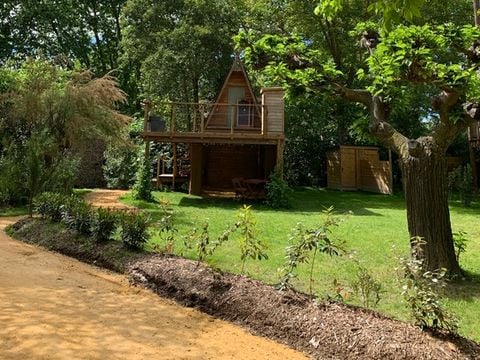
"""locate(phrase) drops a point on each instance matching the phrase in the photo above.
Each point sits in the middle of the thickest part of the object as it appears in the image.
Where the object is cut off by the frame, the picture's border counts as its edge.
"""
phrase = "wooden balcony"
(241, 123)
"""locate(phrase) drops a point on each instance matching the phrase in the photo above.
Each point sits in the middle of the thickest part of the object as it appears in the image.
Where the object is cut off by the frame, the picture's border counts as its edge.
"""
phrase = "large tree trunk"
(426, 195)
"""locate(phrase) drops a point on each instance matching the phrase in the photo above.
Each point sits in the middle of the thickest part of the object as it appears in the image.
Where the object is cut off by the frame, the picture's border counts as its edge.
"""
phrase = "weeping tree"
(441, 62)
(44, 111)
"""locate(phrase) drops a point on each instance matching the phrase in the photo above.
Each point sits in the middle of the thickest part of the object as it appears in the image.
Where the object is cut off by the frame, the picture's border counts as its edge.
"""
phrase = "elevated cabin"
(237, 136)
(474, 142)
(353, 168)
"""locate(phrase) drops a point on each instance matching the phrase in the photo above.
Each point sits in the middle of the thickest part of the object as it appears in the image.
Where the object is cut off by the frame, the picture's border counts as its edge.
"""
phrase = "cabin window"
(244, 113)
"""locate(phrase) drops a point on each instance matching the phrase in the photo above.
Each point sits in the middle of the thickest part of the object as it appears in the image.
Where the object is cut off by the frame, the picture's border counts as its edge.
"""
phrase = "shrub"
(460, 243)
(366, 287)
(134, 229)
(142, 190)
(77, 215)
(305, 244)
(421, 292)
(49, 205)
(120, 166)
(250, 245)
(104, 223)
(278, 192)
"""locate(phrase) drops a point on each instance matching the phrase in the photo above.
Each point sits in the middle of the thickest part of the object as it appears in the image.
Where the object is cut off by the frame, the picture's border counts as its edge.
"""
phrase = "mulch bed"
(321, 329)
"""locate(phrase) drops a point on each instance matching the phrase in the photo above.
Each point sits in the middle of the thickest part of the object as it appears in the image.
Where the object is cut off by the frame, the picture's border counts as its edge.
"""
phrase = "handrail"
(199, 117)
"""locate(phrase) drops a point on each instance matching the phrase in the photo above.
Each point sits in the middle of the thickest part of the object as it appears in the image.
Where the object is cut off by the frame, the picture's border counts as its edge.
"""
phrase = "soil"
(324, 330)
(54, 307)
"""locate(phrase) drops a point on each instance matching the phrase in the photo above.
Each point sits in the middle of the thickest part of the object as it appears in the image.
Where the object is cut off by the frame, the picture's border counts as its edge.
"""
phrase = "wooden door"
(235, 94)
(349, 169)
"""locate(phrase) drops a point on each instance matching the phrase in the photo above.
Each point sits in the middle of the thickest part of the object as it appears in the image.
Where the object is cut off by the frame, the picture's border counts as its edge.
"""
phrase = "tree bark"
(426, 197)
(424, 175)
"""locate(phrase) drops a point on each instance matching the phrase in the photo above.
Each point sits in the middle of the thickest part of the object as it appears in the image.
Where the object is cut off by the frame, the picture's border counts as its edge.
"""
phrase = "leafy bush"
(250, 245)
(303, 243)
(50, 205)
(201, 242)
(421, 292)
(278, 192)
(142, 189)
(366, 287)
(460, 243)
(77, 215)
(104, 223)
(120, 166)
(134, 229)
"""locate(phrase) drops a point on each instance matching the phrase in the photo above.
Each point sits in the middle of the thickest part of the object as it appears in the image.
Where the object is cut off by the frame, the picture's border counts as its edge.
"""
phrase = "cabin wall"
(219, 117)
(222, 163)
(273, 110)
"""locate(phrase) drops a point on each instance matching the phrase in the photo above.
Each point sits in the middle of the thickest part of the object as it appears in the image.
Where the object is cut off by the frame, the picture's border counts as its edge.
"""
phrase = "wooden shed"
(354, 168)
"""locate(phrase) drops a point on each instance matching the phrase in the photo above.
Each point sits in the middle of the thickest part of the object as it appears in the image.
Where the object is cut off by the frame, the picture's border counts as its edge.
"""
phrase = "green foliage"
(367, 287)
(142, 190)
(103, 224)
(420, 290)
(120, 166)
(201, 242)
(50, 205)
(251, 247)
(460, 242)
(278, 192)
(77, 214)
(305, 244)
(134, 229)
(460, 181)
(46, 110)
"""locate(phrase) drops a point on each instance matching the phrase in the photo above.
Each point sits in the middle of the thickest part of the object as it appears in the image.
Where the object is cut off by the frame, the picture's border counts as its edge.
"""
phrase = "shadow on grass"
(306, 200)
(467, 289)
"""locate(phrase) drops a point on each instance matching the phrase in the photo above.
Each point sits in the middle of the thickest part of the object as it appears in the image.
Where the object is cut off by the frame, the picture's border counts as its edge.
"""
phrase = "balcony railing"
(243, 117)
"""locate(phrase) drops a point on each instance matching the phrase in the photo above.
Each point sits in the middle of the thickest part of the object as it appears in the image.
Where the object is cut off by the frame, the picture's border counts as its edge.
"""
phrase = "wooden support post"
(158, 170)
(146, 113)
(173, 118)
(202, 119)
(279, 162)
(232, 121)
(174, 165)
(196, 164)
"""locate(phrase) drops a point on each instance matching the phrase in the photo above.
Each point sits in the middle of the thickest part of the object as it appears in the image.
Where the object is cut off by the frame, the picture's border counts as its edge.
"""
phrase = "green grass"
(375, 235)
(13, 211)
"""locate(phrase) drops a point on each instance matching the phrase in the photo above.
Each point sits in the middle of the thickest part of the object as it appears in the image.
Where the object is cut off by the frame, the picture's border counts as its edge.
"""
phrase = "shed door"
(235, 94)
(349, 169)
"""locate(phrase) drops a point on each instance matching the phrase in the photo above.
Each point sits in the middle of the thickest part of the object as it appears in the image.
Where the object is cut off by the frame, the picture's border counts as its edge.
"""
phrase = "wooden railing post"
(145, 115)
(173, 118)
(202, 119)
(234, 117)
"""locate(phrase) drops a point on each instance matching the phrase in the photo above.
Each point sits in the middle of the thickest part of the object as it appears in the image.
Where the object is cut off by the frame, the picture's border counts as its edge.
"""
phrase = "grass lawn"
(375, 235)
(13, 211)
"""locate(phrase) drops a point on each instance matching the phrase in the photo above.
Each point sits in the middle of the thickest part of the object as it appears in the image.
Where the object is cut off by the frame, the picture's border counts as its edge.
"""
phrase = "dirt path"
(54, 307)
(106, 198)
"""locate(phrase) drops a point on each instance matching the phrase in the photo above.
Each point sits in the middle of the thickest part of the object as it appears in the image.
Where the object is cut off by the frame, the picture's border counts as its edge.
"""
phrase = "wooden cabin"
(354, 168)
(238, 136)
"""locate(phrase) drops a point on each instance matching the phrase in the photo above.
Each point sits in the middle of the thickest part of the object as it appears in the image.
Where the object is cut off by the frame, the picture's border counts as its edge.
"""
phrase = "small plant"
(202, 243)
(142, 190)
(49, 205)
(366, 287)
(460, 243)
(278, 192)
(167, 234)
(306, 243)
(421, 292)
(77, 215)
(251, 247)
(134, 229)
(104, 223)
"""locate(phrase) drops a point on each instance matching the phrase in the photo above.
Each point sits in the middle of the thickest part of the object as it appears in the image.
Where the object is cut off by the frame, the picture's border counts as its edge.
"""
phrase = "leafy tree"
(439, 62)
(44, 110)
(178, 50)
